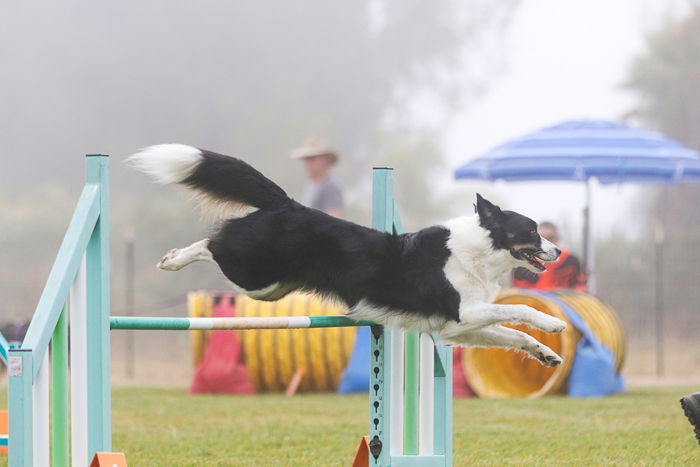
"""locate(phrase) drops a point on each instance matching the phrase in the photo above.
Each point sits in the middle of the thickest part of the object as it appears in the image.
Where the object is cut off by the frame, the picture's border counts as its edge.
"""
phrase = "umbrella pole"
(587, 264)
(659, 297)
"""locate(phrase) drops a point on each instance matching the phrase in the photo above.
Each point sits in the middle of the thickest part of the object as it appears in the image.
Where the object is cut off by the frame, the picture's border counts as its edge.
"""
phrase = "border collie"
(439, 280)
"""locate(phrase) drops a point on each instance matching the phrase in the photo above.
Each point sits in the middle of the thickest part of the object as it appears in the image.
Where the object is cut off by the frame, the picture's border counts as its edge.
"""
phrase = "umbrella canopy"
(578, 150)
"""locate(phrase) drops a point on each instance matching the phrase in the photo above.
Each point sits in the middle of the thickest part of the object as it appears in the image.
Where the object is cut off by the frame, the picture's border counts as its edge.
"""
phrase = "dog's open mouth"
(531, 256)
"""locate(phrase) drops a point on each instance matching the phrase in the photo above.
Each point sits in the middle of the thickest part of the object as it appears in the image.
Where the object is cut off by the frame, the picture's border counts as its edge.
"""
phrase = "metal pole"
(659, 298)
(588, 263)
(97, 319)
(386, 350)
(129, 298)
(255, 322)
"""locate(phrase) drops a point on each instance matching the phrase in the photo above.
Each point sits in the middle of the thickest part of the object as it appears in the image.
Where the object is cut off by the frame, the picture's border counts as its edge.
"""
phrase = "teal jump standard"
(407, 379)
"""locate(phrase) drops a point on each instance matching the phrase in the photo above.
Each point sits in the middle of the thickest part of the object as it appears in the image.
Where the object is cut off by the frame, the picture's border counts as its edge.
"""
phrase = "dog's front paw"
(546, 356)
(554, 325)
(168, 262)
(549, 360)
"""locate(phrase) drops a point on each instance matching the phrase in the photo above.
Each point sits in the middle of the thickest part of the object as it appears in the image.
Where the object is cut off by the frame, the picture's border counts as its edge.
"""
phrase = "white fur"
(167, 163)
(178, 258)
(474, 269)
(366, 310)
(550, 250)
(257, 294)
(223, 209)
(173, 163)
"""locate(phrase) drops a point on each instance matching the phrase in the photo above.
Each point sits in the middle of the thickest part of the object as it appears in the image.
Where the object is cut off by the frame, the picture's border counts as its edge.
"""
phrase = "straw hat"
(313, 147)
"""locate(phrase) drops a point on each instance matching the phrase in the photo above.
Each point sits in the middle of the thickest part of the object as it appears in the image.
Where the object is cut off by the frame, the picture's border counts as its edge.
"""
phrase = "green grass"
(166, 427)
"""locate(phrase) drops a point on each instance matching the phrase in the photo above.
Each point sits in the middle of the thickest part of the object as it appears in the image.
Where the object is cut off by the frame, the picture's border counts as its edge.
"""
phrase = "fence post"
(59, 392)
(442, 441)
(20, 373)
(97, 285)
(386, 350)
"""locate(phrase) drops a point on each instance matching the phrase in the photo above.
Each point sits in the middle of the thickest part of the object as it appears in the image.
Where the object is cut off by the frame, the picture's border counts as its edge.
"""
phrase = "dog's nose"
(557, 251)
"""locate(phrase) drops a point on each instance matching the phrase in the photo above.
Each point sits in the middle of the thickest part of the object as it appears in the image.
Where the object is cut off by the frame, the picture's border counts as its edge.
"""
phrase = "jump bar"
(260, 322)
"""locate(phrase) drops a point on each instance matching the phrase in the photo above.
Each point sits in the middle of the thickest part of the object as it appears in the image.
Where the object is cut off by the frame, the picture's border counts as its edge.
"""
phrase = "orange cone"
(108, 459)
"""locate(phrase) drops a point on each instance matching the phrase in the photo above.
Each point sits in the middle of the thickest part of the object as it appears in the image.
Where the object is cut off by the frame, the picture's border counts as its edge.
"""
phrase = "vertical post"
(4, 347)
(59, 392)
(97, 323)
(399, 368)
(442, 440)
(21, 434)
(588, 247)
(78, 367)
(395, 340)
(411, 358)
(40, 394)
(129, 299)
(659, 298)
(383, 383)
(585, 234)
(426, 404)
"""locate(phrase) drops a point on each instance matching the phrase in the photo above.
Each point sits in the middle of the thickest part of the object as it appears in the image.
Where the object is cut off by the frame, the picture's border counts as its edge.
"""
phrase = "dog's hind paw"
(169, 261)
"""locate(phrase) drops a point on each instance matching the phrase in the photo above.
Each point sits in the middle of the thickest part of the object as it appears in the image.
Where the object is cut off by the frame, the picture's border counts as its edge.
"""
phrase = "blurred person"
(565, 273)
(691, 408)
(324, 192)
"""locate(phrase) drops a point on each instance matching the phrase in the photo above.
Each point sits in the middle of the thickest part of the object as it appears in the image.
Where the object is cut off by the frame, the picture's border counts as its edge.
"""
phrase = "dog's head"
(517, 234)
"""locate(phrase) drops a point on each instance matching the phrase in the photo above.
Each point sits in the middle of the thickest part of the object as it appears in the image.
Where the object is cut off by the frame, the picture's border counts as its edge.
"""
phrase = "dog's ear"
(488, 212)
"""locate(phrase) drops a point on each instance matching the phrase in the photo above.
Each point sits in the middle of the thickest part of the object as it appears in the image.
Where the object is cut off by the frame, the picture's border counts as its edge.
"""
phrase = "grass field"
(167, 427)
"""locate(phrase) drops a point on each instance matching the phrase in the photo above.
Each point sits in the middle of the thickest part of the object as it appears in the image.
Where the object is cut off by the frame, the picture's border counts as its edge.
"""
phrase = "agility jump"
(410, 396)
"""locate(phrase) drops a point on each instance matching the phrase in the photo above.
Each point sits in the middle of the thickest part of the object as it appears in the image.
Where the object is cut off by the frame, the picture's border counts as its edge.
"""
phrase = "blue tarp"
(593, 372)
(356, 375)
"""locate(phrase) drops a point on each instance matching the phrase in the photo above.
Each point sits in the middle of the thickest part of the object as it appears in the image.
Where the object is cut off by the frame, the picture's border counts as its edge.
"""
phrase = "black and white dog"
(440, 279)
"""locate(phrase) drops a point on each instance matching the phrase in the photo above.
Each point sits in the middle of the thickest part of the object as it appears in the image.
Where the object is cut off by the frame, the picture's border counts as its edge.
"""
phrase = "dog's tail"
(223, 183)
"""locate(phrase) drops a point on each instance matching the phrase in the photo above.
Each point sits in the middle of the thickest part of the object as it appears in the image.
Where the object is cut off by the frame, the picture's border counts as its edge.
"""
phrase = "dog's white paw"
(554, 325)
(169, 261)
(546, 356)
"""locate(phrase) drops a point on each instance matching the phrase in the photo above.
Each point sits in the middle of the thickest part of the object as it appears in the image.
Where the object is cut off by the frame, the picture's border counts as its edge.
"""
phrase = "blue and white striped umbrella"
(578, 150)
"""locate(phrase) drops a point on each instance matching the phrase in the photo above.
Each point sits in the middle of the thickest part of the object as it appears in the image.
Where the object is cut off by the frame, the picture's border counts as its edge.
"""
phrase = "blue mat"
(356, 375)
(593, 371)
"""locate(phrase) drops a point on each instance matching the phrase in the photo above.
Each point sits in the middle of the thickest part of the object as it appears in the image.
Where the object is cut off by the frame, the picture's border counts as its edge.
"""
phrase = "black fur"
(302, 248)
(229, 179)
(508, 230)
(284, 246)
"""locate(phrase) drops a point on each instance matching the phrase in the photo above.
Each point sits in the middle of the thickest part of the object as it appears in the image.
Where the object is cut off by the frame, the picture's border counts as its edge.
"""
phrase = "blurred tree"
(251, 78)
(665, 77)
(248, 77)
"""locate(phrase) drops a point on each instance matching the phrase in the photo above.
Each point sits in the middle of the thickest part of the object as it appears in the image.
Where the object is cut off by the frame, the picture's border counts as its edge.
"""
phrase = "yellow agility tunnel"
(506, 373)
(272, 357)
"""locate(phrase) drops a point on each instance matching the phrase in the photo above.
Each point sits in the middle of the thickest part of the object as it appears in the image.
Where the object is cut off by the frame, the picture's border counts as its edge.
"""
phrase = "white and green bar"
(258, 322)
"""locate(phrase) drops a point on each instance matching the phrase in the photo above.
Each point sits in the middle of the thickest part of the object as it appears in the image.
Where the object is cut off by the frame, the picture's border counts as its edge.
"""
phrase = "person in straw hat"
(323, 193)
